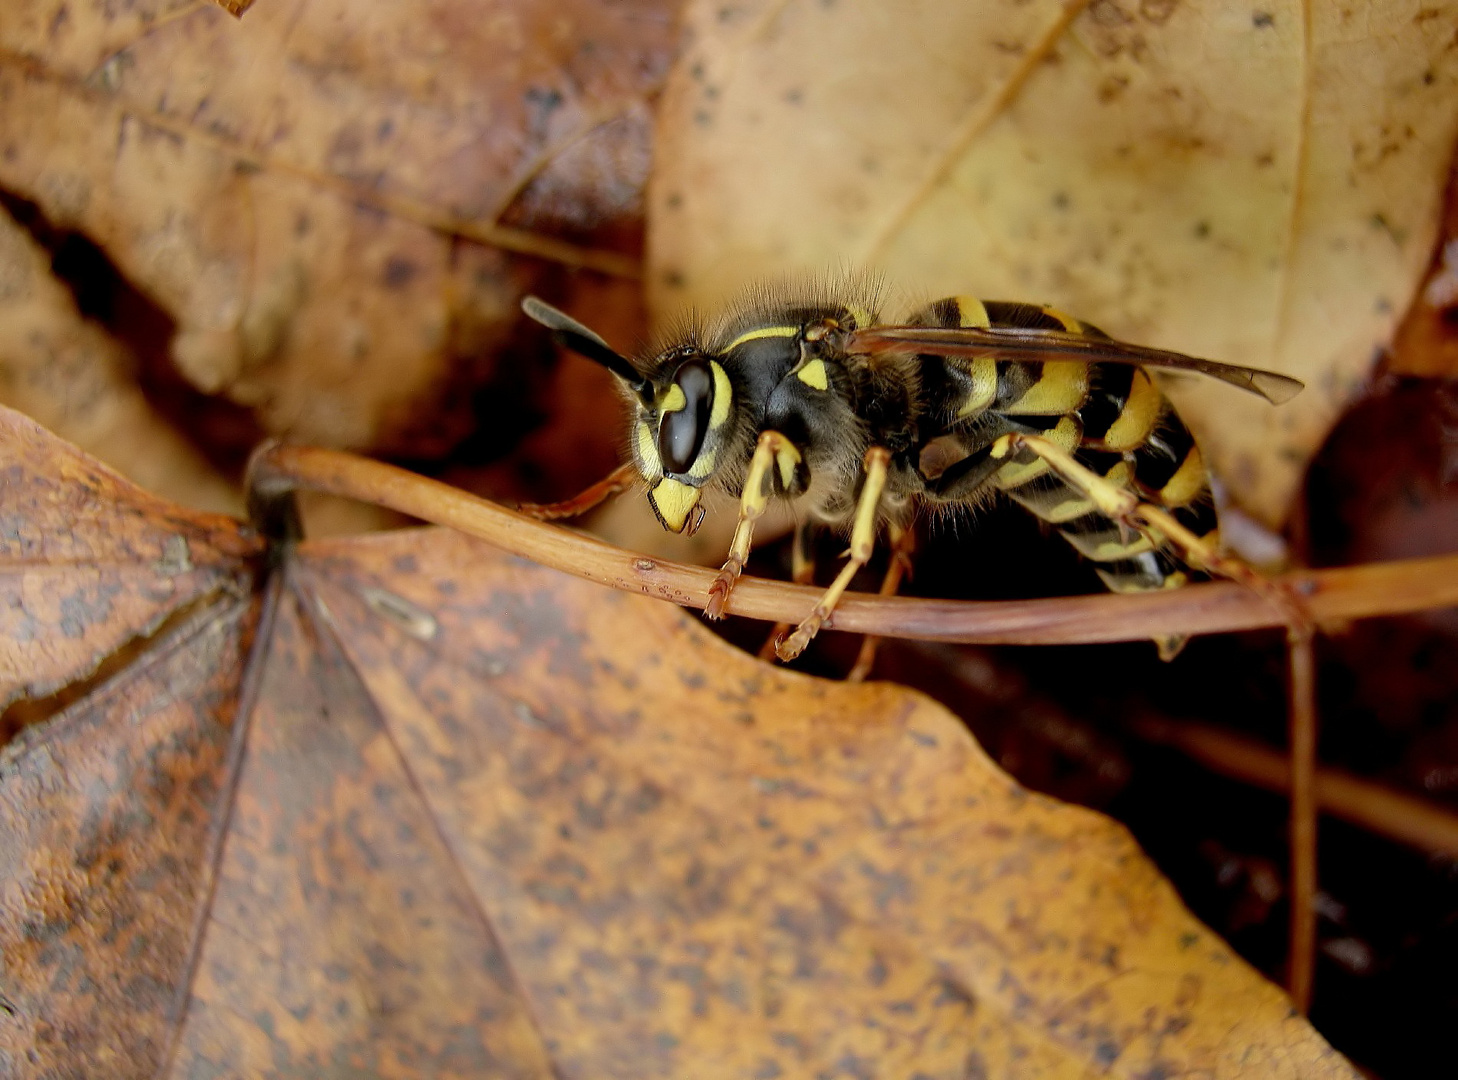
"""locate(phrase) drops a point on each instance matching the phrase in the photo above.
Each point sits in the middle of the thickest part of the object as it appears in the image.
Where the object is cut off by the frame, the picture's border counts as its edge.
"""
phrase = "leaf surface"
(338, 205)
(415, 807)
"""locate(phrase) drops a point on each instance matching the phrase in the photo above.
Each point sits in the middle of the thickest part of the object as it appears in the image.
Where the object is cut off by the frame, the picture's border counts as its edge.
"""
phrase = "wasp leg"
(1161, 527)
(863, 540)
(772, 451)
(902, 543)
(802, 572)
(614, 483)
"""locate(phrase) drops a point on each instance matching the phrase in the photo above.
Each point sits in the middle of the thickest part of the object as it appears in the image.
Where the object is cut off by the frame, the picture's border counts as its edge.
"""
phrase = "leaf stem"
(1332, 596)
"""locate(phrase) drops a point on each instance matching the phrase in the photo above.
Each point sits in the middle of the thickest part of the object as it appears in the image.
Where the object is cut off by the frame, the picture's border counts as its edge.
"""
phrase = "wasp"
(862, 423)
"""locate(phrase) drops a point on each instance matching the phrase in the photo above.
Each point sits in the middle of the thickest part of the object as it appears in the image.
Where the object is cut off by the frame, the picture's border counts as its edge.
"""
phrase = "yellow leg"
(902, 542)
(802, 572)
(863, 540)
(772, 451)
(1161, 527)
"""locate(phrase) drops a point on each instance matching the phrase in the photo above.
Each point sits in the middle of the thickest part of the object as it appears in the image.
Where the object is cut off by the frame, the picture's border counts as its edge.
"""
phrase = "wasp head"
(682, 421)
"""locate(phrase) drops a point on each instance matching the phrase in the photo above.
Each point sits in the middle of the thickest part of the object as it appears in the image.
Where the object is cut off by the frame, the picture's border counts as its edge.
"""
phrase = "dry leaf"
(415, 807)
(322, 196)
(70, 375)
(1259, 185)
(1427, 340)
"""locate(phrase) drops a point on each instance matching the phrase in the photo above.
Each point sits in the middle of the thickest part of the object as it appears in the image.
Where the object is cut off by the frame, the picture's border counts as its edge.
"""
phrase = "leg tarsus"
(898, 570)
(721, 587)
(802, 572)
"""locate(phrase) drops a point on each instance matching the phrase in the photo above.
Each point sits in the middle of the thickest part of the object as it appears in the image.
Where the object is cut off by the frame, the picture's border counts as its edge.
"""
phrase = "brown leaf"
(333, 201)
(69, 374)
(415, 807)
(1259, 186)
(1427, 341)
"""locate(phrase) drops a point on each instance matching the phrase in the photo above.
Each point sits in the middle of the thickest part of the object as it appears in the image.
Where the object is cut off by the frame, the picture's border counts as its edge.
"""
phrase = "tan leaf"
(69, 374)
(1255, 185)
(413, 807)
(326, 198)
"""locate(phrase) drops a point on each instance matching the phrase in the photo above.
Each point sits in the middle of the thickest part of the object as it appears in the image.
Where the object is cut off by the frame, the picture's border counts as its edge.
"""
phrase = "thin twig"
(1407, 819)
(1216, 607)
(1301, 957)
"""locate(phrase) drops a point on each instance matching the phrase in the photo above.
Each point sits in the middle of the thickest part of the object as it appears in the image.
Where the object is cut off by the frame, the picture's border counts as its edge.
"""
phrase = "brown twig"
(1404, 818)
(1216, 607)
(1301, 956)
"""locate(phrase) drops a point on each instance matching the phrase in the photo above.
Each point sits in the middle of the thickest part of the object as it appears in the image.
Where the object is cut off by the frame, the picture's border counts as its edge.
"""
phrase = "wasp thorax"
(686, 408)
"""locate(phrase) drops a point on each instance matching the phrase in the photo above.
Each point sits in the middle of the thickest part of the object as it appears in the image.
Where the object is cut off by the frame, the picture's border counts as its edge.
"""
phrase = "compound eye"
(686, 419)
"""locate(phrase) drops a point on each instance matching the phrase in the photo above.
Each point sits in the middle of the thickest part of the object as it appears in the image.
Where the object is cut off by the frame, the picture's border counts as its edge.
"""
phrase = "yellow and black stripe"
(1112, 415)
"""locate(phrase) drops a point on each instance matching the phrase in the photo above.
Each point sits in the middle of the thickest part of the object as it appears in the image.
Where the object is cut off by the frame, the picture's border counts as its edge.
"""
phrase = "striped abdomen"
(1112, 416)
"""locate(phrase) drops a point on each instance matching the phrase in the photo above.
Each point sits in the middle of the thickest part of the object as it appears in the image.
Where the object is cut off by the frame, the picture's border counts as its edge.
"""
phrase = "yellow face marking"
(649, 463)
(786, 458)
(1062, 388)
(723, 397)
(1119, 474)
(673, 399)
(674, 502)
(704, 463)
(814, 375)
(1140, 414)
(762, 332)
(973, 312)
(1188, 482)
(983, 372)
(1072, 325)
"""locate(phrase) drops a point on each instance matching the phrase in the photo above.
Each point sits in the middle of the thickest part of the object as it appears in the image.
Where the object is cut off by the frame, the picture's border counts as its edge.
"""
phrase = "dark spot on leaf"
(951, 992)
(542, 102)
(399, 272)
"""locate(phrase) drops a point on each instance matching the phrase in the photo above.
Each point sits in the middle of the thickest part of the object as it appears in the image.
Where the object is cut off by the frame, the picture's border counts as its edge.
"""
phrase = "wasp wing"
(1020, 343)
